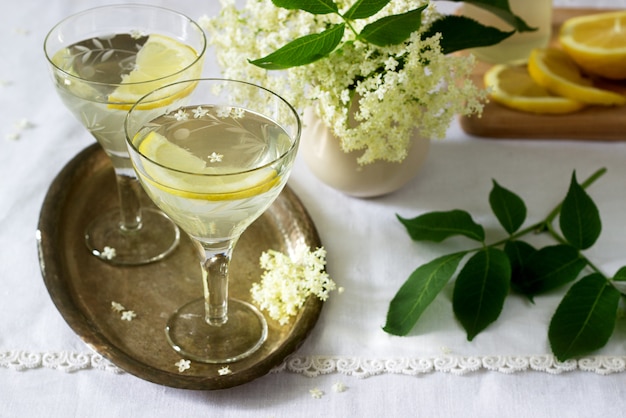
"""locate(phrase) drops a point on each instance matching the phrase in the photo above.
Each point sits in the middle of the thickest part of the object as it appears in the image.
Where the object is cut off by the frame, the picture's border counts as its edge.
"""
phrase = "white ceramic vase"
(329, 163)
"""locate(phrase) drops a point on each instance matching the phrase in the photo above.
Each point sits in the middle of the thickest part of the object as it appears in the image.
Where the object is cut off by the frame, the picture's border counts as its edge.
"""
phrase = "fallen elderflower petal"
(183, 365)
(316, 393)
(117, 307)
(339, 387)
(107, 253)
(128, 315)
(224, 371)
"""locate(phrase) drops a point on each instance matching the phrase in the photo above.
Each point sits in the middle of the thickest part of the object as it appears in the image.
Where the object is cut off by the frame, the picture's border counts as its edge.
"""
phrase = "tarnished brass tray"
(83, 287)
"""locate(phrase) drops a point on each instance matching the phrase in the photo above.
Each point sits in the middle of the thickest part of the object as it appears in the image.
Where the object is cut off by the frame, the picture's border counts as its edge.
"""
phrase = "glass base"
(190, 335)
(157, 237)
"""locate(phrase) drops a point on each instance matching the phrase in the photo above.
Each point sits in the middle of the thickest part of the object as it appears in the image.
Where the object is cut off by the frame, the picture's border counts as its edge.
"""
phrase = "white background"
(369, 254)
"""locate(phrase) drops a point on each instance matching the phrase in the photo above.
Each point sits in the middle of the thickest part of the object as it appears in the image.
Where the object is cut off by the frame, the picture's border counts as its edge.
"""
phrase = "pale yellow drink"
(96, 94)
(515, 49)
(213, 170)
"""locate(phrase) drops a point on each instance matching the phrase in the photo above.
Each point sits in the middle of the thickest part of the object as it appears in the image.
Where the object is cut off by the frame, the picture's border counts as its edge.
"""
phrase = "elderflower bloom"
(287, 283)
(367, 109)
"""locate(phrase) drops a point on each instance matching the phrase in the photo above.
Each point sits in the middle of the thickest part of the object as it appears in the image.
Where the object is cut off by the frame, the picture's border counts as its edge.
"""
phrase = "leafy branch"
(457, 32)
(586, 316)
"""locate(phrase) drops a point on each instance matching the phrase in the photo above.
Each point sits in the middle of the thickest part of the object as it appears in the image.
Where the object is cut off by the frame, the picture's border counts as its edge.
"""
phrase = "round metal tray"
(83, 287)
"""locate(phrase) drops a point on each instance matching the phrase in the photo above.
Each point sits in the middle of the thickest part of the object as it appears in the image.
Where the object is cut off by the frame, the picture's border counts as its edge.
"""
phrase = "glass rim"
(195, 24)
(293, 145)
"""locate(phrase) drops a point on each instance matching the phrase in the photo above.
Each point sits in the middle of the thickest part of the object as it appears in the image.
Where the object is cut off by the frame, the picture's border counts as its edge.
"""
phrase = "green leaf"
(579, 219)
(437, 226)
(460, 32)
(318, 7)
(585, 318)
(508, 207)
(392, 30)
(480, 290)
(519, 253)
(418, 292)
(501, 9)
(365, 8)
(304, 50)
(620, 275)
(549, 268)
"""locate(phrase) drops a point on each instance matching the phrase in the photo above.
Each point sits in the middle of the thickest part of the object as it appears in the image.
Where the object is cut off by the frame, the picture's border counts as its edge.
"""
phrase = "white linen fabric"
(46, 370)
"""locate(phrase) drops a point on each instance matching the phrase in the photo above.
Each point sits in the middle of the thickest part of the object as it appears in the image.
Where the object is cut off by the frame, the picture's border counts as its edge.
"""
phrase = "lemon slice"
(553, 69)
(160, 61)
(513, 87)
(188, 176)
(597, 43)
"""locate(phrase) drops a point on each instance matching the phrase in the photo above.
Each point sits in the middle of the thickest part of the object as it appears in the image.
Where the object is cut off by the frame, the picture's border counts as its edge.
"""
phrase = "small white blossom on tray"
(108, 253)
(117, 307)
(183, 365)
(224, 371)
(287, 282)
(128, 315)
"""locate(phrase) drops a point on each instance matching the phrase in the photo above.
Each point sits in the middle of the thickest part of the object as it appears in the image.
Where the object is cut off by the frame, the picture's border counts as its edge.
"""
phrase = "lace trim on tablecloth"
(313, 366)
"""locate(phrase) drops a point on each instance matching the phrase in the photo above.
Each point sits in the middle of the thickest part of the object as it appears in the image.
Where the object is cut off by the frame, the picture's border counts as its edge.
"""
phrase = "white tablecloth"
(46, 370)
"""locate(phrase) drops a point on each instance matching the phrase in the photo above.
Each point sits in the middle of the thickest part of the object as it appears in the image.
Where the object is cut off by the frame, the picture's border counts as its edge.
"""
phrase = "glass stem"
(129, 191)
(215, 280)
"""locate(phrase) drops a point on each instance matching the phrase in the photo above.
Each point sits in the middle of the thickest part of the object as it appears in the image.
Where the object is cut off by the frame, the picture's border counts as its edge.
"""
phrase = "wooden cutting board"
(591, 123)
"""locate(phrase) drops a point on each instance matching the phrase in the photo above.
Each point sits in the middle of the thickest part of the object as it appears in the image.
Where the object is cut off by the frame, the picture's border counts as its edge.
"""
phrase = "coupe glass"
(214, 161)
(90, 55)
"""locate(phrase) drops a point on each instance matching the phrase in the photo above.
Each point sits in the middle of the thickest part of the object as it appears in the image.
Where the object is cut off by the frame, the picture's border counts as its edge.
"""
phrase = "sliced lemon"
(513, 87)
(553, 69)
(162, 59)
(597, 43)
(188, 176)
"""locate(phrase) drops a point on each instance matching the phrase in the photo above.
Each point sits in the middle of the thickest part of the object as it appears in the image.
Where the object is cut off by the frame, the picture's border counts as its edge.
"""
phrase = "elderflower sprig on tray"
(287, 282)
(373, 71)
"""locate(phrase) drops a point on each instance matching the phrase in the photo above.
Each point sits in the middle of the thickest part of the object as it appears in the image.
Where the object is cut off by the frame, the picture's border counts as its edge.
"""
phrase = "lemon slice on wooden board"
(553, 69)
(160, 61)
(597, 43)
(513, 87)
(205, 183)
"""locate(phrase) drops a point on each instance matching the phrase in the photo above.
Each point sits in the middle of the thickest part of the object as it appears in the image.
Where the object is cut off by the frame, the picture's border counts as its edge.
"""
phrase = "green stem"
(349, 25)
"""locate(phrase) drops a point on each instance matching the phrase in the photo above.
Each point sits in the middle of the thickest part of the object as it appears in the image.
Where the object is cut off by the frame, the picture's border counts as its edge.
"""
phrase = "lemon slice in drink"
(163, 60)
(205, 183)
(553, 69)
(513, 87)
(597, 43)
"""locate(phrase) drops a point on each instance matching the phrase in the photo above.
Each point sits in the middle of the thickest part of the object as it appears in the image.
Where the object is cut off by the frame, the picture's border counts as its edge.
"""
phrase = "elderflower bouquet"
(372, 70)
(287, 283)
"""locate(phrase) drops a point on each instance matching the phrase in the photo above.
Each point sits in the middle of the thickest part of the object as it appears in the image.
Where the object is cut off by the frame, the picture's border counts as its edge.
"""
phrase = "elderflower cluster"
(367, 109)
(287, 283)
